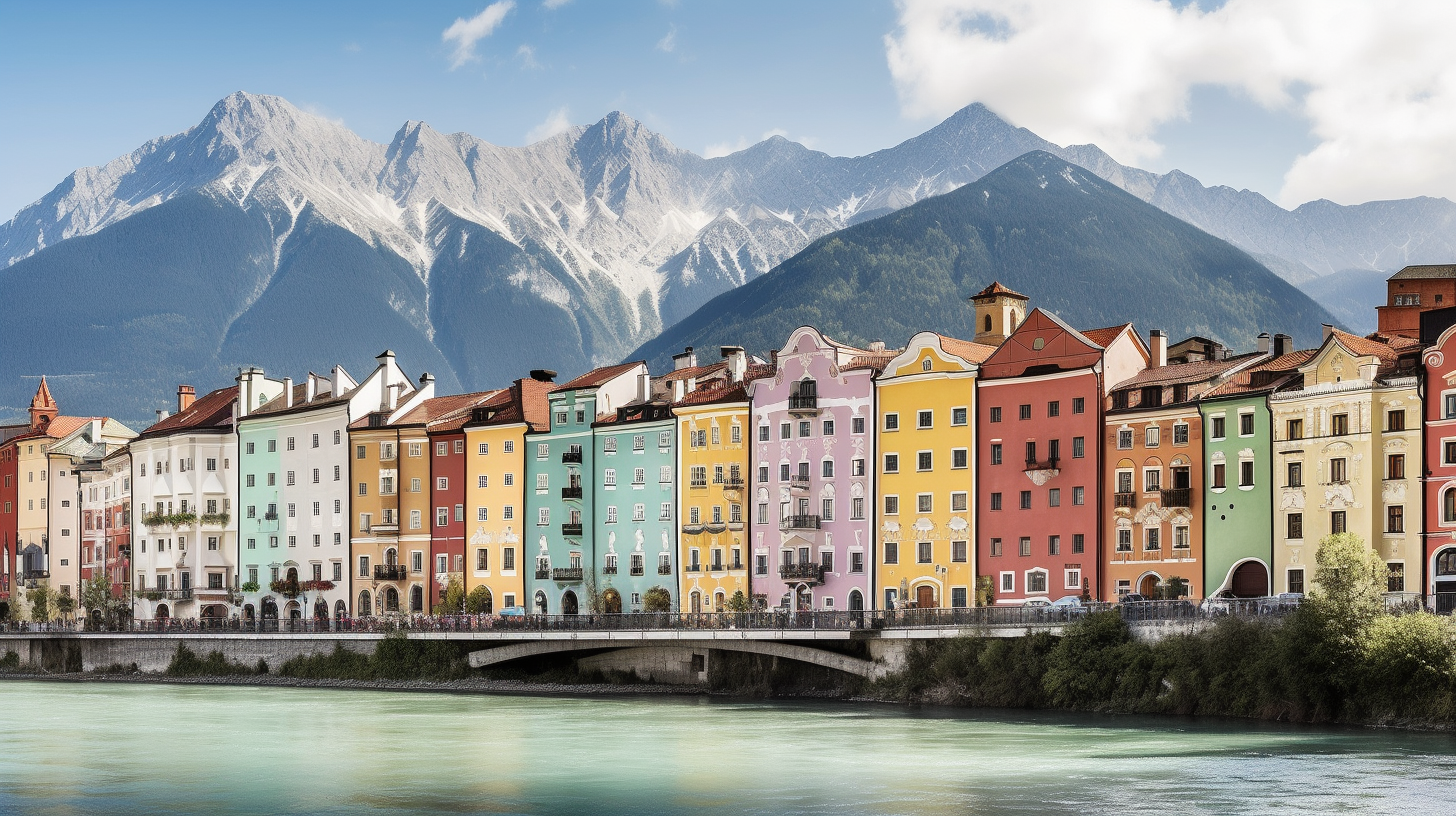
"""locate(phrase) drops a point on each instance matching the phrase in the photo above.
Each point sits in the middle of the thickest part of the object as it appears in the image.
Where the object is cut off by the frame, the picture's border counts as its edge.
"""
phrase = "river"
(90, 748)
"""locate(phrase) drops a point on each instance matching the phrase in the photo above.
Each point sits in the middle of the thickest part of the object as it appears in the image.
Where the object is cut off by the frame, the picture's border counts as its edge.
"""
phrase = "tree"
(96, 596)
(985, 591)
(65, 604)
(454, 598)
(40, 603)
(738, 603)
(478, 601)
(657, 599)
(1349, 584)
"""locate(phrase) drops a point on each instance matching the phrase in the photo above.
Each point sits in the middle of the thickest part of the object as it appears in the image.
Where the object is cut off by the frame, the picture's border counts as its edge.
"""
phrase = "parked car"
(1283, 602)
(513, 612)
(1036, 603)
(1069, 606)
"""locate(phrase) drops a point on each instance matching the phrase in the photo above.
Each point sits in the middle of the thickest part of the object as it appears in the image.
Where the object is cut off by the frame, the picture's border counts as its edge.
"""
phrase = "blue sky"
(81, 83)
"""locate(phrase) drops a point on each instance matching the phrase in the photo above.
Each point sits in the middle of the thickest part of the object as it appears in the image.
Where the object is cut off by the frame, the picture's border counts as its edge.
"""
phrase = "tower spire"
(43, 407)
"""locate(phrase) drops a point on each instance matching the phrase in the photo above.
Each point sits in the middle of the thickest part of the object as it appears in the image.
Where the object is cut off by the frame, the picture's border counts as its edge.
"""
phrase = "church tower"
(43, 407)
(998, 312)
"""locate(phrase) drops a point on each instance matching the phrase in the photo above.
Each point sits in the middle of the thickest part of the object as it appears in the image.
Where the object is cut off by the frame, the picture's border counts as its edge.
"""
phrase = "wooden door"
(925, 597)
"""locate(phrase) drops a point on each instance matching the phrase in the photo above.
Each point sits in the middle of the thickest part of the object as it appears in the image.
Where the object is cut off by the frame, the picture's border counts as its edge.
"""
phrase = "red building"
(1438, 336)
(445, 419)
(1039, 414)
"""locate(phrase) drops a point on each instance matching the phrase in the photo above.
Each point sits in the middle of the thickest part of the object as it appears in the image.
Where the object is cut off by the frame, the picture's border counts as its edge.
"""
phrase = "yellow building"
(389, 532)
(713, 479)
(1347, 457)
(925, 428)
(495, 499)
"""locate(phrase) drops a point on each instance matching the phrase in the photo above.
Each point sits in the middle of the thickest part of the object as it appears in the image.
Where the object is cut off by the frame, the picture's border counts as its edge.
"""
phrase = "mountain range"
(269, 236)
(1073, 243)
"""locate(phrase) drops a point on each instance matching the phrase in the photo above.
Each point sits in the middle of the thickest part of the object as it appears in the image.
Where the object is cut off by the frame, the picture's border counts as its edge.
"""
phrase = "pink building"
(811, 529)
(1438, 335)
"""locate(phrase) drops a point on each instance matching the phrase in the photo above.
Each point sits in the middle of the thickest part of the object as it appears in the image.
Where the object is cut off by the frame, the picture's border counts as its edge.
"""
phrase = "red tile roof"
(693, 372)
(63, 426)
(874, 361)
(1102, 337)
(213, 410)
(1365, 347)
(997, 289)
(1195, 372)
(597, 377)
(965, 349)
(1271, 376)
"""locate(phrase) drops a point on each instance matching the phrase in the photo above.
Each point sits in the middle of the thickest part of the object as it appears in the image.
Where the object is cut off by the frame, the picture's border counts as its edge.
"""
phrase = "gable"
(1041, 344)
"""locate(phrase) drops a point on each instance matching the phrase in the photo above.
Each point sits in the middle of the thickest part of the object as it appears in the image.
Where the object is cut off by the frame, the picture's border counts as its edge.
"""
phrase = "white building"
(82, 448)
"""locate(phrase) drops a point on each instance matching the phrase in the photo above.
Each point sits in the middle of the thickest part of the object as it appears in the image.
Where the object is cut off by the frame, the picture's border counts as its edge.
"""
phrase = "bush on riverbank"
(1342, 656)
(396, 657)
(186, 663)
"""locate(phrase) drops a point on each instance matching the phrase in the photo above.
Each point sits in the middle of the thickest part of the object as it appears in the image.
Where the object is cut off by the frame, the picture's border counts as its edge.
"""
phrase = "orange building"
(1413, 290)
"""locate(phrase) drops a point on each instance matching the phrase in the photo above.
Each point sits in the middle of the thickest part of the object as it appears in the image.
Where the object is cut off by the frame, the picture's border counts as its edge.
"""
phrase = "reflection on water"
(124, 748)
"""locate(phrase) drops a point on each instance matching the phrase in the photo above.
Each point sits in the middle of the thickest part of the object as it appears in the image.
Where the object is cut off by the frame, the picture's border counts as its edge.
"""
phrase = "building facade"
(811, 527)
(495, 485)
(634, 525)
(925, 436)
(1347, 444)
(1038, 447)
(561, 496)
(1438, 335)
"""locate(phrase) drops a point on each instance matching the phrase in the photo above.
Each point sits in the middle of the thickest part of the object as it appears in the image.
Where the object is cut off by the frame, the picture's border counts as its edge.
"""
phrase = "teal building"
(634, 524)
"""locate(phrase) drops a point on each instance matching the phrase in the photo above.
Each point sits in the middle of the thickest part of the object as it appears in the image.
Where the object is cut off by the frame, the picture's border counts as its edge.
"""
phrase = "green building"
(634, 525)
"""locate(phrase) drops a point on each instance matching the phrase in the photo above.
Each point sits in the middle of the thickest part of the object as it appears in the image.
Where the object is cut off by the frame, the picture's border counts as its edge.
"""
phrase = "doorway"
(925, 597)
(612, 602)
(1148, 586)
(1250, 580)
(568, 603)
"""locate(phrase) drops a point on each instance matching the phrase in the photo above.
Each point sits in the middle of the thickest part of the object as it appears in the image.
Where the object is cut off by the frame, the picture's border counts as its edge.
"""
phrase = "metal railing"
(799, 522)
(571, 492)
(566, 574)
(390, 572)
(571, 457)
(811, 572)
(1124, 500)
(1177, 497)
(1049, 463)
(569, 529)
(803, 402)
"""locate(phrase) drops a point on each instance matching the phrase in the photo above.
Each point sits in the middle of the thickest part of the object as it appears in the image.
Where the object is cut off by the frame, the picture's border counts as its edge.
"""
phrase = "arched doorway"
(1250, 580)
(366, 604)
(269, 611)
(417, 599)
(248, 613)
(295, 612)
(321, 609)
(540, 602)
(612, 602)
(293, 575)
(925, 596)
(1148, 586)
(341, 610)
(720, 601)
(391, 600)
(803, 598)
(162, 612)
(568, 603)
(1446, 581)
(696, 601)
(856, 601)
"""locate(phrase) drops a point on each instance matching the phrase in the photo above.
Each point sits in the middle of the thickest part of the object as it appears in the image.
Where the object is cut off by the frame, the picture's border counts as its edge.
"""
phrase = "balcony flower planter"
(216, 519)
(286, 588)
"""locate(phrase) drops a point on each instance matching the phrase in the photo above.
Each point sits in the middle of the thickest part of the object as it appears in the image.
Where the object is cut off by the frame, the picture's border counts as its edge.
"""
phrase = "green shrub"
(185, 663)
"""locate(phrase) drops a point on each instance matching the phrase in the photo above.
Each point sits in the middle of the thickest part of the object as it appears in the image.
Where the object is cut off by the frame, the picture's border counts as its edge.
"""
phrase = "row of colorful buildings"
(1032, 461)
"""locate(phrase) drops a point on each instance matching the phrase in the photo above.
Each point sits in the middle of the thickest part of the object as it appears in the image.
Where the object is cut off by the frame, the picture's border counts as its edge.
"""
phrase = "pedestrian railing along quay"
(772, 619)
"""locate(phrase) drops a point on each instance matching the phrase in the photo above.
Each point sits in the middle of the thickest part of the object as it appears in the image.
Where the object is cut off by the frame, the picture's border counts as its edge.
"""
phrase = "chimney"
(1158, 345)
(425, 379)
(287, 392)
(737, 362)
(644, 387)
(685, 360)
(95, 430)
(185, 396)
(1283, 344)
(246, 392)
(543, 375)
(336, 381)
(310, 388)
(1329, 330)
(162, 414)
(1263, 342)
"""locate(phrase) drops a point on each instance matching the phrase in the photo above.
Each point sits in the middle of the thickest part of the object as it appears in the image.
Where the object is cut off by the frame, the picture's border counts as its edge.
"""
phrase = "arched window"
(391, 600)
(366, 604)
(987, 323)
(540, 602)
(417, 599)
(391, 557)
(1448, 506)
(341, 610)
(1446, 562)
(925, 364)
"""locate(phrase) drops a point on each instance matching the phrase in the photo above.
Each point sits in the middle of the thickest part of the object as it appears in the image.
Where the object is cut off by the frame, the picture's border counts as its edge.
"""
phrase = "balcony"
(804, 573)
(35, 574)
(175, 594)
(1042, 464)
(732, 483)
(610, 569)
(637, 572)
(1124, 500)
(566, 574)
(805, 404)
(569, 529)
(272, 516)
(799, 483)
(571, 492)
(799, 523)
(543, 574)
(571, 457)
(390, 572)
(1177, 497)
(693, 568)
(664, 569)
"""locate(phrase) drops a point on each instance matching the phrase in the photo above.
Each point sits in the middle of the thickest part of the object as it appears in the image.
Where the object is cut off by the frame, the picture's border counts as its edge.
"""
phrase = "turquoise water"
(156, 749)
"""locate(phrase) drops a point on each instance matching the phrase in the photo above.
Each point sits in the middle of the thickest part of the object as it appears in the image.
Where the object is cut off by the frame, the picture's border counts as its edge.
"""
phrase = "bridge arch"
(789, 651)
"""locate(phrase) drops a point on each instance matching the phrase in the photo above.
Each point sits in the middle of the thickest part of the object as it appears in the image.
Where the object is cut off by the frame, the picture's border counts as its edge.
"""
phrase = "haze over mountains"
(269, 236)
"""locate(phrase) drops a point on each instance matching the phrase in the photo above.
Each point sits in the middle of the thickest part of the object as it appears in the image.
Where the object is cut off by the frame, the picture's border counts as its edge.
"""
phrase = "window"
(892, 463)
(315, 475)
(1026, 500)
(995, 501)
(1395, 519)
(1036, 581)
(1218, 476)
(1079, 447)
(1338, 474)
(1395, 420)
(1295, 581)
(996, 547)
(959, 459)
(665, 512)
(1152, 480)
(1246, 474)
(1340, 424)
(249, 449)
(959, 501)
(1124, 539)
(1079, 543)
(856, 425)
(923, 552)
(924, 419)
(1023, 411)
(958, 552)
(892, 552)
(785, 430)
(996, 454)
(1054, 545)
(1124, 440)
(1152, 538)
(892, 505)
(957, 416)
(1072, 578)
(1294, 474)
(735, 433)
(1054, 497)
(1215, 427)
(1449, 413)
(1054, 408)
(1008, 582)
(923, 502)
(763, 433)
(1151, 436)
(1079, 405)
(856, 508)
(543, 450)
(1246, 424)
(315, 441)
(892, 422)
(1395, 572)
(290, 443)
(639, 476)
(996, 414)
(923, 461)
(1337, 522)
(1025, 545)
(1294, 429)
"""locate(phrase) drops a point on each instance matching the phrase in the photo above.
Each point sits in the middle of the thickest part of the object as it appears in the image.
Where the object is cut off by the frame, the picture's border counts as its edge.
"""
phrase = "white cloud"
(466, 33)
(527, 56)
(558, 121)
(554, 4)
(1375, 82)
(669, 42)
